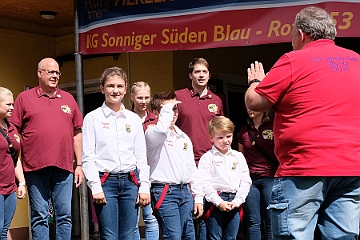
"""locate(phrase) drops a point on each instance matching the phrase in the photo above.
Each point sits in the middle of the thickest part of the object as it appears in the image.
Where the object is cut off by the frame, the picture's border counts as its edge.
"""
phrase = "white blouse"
(113, 142)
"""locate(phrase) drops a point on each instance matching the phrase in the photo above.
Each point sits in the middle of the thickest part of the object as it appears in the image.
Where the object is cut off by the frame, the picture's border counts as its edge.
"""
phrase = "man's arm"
(253, 100)
(78, 175)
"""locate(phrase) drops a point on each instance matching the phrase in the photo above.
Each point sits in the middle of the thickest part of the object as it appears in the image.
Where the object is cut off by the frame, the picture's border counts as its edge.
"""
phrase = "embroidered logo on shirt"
(105, 125)
(234, 165)
(213, 108)
(127, 128)
(169, 142)
(217, 163)
(150, 125)
(66, 109)
(268, 134)
(17, 138)
(185, 146)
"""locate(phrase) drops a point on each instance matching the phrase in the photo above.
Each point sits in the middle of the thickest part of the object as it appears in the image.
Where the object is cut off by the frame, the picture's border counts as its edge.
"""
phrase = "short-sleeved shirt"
(195, 112)
(264, 138)
(47, 126)
(7, 168)
(315, 92)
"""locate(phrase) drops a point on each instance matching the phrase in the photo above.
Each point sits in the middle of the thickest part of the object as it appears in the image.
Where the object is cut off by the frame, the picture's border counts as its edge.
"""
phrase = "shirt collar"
(178, 132)
(208, 95)
(149, 116)
(319, 42)
(109, 112)
(40, 93)
(216, 152)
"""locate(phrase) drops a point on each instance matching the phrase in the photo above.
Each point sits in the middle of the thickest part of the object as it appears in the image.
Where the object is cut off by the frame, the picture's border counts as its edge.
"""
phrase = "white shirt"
(170, 154)
(113, 142)
(225, 173)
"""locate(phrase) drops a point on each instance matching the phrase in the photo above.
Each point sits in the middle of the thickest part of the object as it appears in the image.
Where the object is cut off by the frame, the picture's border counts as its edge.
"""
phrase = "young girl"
(226, 181)
(140, 97)
(114, 158)
(262, 166)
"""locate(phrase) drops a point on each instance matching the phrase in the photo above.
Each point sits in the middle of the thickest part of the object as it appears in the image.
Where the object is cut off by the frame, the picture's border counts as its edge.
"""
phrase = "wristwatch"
(252, 81)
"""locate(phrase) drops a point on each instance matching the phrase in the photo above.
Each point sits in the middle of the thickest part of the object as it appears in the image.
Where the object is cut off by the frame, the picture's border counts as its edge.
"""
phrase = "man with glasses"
(49, 122)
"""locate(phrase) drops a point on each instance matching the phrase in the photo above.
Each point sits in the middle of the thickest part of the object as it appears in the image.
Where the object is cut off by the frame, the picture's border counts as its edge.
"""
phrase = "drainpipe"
(84, 214)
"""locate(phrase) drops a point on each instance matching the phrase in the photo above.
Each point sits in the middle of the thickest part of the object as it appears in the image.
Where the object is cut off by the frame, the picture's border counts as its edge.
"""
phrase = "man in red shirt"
(199, 106)
(313, 91)
(49, 122)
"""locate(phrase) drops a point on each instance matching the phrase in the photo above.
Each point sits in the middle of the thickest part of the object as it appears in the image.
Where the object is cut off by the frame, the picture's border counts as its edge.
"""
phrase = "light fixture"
(48, 14)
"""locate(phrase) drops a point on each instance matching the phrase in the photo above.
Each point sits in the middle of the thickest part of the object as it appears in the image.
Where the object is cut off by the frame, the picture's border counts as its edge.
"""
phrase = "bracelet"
(78, 165)
(22, 184)
(253, 81)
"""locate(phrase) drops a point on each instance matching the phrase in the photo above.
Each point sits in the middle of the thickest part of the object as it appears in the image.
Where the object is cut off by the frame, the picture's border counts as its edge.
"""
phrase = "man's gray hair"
(316, 23)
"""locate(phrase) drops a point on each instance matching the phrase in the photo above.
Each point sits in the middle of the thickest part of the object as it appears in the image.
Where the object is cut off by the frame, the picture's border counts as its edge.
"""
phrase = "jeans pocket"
(279, 218)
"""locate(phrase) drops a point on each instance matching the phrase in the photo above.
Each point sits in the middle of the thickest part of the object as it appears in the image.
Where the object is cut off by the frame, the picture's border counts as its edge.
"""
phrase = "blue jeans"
(40, 184)
(198, 222)
(175, 213)
(222, 225)
(255, 206)
(7, 210)
(118, 217)
(298, 203)
(151, 225)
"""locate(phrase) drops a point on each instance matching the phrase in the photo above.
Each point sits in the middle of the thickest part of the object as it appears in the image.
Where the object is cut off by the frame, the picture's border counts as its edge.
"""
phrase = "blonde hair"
(220, 124)
(4, 91)
(136, 86)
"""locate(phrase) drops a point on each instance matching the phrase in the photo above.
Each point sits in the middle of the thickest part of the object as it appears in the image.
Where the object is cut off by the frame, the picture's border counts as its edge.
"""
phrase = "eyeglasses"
(52, 72)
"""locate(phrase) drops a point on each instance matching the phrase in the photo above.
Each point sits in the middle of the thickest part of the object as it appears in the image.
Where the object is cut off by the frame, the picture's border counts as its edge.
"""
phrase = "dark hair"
(198, 61)
(112, 72)
(267, 116)
(316, 23)
(159, 98)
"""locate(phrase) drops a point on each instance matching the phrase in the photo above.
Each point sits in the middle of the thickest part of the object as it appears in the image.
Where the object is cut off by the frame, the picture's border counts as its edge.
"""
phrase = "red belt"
(132, 174)
(161, 199)
(212, 207)
(209, 211)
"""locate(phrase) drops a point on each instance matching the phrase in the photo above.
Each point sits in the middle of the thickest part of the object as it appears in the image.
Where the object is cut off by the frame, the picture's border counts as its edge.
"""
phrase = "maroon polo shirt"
(150, 120)
(7, 168)
(47, 127)
(264, 138)
(195, 112)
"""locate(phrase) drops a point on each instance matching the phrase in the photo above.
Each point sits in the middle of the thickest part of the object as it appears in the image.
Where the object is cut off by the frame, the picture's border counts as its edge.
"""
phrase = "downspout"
(84, 213)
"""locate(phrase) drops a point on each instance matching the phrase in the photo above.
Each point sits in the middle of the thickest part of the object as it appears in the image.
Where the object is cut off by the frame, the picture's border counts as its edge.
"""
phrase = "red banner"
(225, 28)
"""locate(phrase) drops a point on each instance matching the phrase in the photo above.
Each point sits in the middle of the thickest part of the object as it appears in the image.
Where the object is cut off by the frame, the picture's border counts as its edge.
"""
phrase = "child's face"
(222, 141)
(114, 90)
(141, 99)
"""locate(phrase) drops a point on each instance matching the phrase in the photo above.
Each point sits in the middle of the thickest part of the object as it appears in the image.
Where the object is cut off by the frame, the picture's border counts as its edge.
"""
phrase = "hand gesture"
(255, 70)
